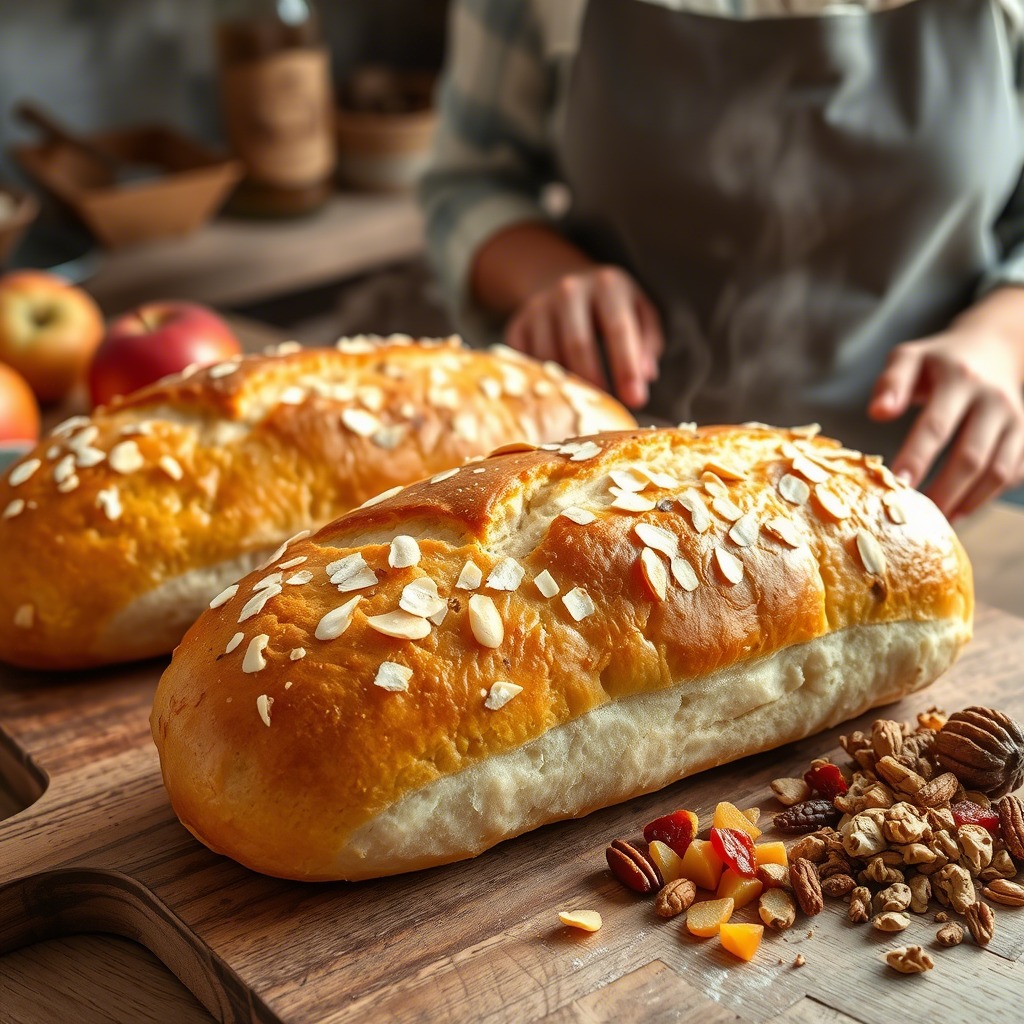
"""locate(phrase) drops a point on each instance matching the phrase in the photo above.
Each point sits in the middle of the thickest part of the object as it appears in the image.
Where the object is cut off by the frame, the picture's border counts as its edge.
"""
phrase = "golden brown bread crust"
(109, 557)
(283, 766)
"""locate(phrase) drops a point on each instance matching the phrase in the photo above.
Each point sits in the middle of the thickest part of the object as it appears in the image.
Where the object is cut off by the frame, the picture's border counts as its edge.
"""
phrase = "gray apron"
(798, 195)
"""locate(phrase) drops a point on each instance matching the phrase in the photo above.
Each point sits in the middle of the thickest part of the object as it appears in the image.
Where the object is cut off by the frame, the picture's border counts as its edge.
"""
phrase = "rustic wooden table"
(520, 965)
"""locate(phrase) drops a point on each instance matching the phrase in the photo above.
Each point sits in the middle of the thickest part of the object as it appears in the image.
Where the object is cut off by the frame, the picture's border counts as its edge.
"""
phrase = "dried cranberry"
(827, 780)
(675, 830)
(807, 817)
(736, 849)
(966, 812)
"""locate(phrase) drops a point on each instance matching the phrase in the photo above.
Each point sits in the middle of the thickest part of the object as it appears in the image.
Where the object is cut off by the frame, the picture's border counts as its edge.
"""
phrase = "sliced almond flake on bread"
(658, 538)
(578, 604)
(360, 422)
(807, 430)
(258, 601)
(809, 470)
(628, 479)
(234, 642)
(785, 530)
(23, 471)
(351, 573)
(64, 469)
(724, 471)
(69, 425)
(627, 501)
(500, 694)
(470, 578)
(297, 654)
(337, 620)
(224, 596)
(222, 370)
(383, 496)
(662, 480)
(70, 484)
(404, 552)
(170, 465)
(745, 530)
(400, 625)
(726, 509)
(14, 508)
(293, 396)
(254, 660)
(683, 573)
(420, 597)
(25, 616)
(580, 516)
(268, 581)
(491, 388)
(714, 484)
(125, 457)
(831, 503)
(445, 475)
(793, 489)
(299, 578)
(654, 573)
(894, 507)
(263, 706)
(506, 575)
(729, 565)
(393, 677)
(585, 451)
(693, 501)
(292, 562)
(546, 584)
(86, 458)
(871, 554)
(370, 397)
(485, 621)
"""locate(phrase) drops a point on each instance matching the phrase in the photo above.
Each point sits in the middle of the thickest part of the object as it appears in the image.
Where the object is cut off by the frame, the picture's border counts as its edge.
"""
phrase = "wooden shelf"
(232, 262)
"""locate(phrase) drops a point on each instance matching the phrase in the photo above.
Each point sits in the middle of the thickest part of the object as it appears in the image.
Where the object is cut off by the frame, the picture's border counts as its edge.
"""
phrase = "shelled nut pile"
(921, 814)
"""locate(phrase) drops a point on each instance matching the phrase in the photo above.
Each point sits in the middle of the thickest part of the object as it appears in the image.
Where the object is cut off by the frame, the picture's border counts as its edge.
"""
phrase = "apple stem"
(145, 323)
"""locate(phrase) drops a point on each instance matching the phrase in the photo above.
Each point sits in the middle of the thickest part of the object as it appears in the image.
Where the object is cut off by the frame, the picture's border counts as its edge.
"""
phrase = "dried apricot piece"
(741, 889)
(728, 815)
(741, 940)
(702, 865)
(704, 919)
(771, 853)
(736, 849)
(666, 860)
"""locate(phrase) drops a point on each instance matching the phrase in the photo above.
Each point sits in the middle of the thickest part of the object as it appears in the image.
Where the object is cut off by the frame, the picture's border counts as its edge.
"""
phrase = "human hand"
(968, 380)
(565, 321)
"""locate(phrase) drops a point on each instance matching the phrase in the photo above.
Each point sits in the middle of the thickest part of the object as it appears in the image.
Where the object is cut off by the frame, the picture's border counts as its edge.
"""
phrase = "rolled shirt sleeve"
(491, 157)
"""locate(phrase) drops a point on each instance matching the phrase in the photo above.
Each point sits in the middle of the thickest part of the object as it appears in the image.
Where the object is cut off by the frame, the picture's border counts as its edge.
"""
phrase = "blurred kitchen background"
(353, 265)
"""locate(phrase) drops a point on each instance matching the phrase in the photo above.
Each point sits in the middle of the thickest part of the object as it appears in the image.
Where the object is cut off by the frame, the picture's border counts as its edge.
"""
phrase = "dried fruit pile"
(920, 814)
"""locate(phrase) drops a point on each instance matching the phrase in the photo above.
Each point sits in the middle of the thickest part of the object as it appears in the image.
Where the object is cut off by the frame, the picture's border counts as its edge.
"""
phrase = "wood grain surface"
(100, 850)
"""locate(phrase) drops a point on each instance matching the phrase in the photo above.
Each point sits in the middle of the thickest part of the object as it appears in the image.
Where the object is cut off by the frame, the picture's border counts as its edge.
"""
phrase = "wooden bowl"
(17, 211)
(183, 184)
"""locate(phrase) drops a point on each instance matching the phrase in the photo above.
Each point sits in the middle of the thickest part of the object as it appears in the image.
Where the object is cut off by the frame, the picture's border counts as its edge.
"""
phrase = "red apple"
(49, 330)
(153, 341)
(19, 414)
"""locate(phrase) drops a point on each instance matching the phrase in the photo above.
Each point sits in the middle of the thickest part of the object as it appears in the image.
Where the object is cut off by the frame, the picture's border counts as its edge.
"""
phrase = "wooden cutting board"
(97, 848)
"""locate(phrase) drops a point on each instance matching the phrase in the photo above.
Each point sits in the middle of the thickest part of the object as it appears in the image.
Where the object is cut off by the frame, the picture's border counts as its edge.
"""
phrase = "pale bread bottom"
(155, 622)
(640, 744)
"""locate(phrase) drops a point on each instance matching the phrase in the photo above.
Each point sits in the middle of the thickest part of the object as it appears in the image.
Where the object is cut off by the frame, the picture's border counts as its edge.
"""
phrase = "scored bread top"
(470, 613)
(217, 467)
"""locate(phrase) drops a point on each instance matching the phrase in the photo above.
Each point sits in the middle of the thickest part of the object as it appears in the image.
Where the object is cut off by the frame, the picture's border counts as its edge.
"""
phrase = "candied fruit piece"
(666, 860)
(736, 849)
(741, 889)
(702, 865)
(676, 830)
(771, 853)
(741, 940)
(704, 919)
(730, 816)
(827, 780)
(966, 812)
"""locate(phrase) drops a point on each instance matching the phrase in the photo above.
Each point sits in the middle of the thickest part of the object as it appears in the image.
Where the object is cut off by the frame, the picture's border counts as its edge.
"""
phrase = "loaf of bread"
(120, 528)
(547, 632)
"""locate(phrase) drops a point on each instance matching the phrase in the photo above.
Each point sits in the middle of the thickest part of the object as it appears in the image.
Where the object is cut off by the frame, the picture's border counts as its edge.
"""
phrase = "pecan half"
(632, 868)
(806, 887)
(1002, 890)
(837, 885)
(909, 960)
(1011, 821)
(675, 897)
(981, 920)
(984, 749)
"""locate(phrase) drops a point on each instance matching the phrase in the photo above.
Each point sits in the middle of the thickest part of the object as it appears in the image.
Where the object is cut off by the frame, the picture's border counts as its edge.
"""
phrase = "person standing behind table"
(782, 210)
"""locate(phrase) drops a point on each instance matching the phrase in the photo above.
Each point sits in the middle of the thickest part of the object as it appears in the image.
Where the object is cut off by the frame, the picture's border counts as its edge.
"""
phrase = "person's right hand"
(568, 322)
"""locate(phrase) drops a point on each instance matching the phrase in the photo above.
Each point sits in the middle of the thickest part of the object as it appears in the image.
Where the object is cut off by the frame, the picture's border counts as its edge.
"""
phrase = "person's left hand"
(968, 380)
